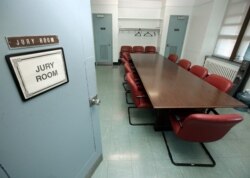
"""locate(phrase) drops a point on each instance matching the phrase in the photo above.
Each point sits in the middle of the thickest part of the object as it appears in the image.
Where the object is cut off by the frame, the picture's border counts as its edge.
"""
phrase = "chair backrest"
(126, 56)
(138, 49)
(125, 49)
(134, 88)
(219, 82)
(173, 57)
(199, 71)
(150, 49)
(127, 68)
(184, 63)
(205, 127)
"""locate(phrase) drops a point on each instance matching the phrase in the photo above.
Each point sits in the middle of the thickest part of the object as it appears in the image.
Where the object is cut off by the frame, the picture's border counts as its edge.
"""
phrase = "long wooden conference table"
(169, 86)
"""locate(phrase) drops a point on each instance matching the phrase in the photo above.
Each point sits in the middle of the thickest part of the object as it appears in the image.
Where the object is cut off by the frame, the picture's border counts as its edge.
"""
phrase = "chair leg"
(190, 164)
(129, 117)
(212, 110)
(124, 86)
(126, 95)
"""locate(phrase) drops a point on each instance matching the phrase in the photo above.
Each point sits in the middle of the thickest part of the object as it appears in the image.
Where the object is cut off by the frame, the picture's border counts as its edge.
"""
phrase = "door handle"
(94, 101)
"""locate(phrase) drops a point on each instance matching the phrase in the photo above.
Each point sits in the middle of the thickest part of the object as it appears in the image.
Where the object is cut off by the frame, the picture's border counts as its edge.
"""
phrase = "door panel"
(51, 135)
(102, 24)
(94, 109)
(176, 34)
(104, 52)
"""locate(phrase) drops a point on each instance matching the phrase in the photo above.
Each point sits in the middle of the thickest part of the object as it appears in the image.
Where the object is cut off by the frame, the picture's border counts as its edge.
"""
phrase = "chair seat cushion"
(201, 127)
(145, 103)
(142, 100)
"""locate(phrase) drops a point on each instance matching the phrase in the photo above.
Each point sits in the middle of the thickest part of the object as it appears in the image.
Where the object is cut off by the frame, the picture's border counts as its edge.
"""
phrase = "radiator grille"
(219, 67)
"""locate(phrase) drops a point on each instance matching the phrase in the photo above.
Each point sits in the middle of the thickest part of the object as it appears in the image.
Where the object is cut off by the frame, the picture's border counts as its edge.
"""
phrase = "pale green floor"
(140, 152)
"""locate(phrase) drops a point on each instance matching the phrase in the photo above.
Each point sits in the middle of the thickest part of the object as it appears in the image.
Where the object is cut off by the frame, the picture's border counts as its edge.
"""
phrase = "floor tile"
(165, 169)
(139, 151)
(120, 169)
(102, 170)
(144, 169)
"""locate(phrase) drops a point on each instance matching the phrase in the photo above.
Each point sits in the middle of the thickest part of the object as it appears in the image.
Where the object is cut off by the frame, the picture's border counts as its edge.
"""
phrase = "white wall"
(148, 10)
(109, 7)
(205, 17)
(132, 13)
(204, 28)
(196, 33)
(135, 15)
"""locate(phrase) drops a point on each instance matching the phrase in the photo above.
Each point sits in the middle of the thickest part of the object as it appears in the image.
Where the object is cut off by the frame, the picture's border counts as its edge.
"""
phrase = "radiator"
(226, 69)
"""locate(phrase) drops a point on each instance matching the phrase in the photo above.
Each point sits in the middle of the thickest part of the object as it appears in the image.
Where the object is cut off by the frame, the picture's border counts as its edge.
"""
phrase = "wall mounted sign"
(31, 41)
(38, 71)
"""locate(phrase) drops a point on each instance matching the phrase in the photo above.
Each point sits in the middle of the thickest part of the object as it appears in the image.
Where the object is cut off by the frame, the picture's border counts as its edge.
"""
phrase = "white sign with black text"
(39, 71)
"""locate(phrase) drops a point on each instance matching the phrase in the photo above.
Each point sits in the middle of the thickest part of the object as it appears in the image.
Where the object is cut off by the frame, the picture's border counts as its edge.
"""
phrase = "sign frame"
(47, 75)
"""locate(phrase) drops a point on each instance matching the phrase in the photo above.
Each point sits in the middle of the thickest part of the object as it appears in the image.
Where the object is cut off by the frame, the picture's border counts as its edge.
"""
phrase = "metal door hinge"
(94, 101)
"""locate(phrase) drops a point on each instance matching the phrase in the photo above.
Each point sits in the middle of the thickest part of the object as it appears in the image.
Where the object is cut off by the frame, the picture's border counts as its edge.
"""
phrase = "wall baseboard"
(103, 63)
(96, 164)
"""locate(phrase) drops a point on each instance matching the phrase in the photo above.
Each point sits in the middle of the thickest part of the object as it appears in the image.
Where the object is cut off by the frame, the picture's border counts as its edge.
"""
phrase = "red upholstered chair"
(138, 49)
(184, 63)
(125, 57)
(129, 69)
(199, 71)
(139, 97)
(201, 128)
(125, 49)
(150, 49)
(219, 82)
(137, 81)
(173, 57)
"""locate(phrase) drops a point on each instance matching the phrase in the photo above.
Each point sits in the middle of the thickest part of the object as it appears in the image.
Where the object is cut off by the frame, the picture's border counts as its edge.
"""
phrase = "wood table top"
(170, 86)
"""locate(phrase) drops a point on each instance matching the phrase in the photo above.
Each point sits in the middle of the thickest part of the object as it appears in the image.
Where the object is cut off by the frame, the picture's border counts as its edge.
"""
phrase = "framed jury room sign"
(39, 71)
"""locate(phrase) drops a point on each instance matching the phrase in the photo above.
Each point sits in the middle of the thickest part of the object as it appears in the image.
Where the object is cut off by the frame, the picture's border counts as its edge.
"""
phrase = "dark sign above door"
(31, 41)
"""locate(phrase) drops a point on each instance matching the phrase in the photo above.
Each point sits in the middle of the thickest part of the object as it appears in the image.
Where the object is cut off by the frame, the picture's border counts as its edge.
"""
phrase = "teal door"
(176, 34)
(102, 24)
(56, 134)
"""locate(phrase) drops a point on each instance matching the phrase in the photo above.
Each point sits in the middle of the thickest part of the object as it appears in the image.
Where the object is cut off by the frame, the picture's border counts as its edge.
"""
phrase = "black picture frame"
(37, 72)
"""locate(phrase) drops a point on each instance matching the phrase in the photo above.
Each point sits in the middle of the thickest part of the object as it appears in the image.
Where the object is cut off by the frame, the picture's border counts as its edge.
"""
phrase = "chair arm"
(141, 96)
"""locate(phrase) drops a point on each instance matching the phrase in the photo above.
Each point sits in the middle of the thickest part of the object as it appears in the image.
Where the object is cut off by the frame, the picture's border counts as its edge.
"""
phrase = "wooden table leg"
(162, 121)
